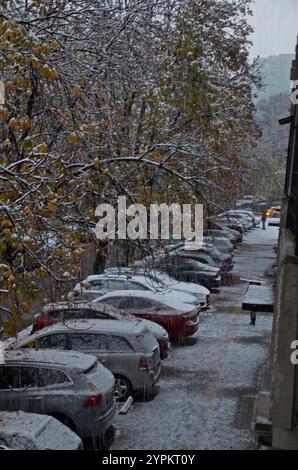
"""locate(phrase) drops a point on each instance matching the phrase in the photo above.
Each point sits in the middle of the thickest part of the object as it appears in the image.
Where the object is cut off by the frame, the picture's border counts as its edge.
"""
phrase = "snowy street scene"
(148, 231)
(209, 386)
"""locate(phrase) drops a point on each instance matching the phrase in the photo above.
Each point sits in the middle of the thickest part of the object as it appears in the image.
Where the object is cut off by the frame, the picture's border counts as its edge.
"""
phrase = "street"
(208, 387)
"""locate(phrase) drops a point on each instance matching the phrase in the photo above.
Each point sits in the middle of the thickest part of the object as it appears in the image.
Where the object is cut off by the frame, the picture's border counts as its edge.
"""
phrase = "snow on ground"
(208, 388)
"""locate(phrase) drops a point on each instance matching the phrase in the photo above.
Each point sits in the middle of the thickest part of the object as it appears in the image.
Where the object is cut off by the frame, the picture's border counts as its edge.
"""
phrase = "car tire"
(147, 395)
(108, 438)
(122, 388)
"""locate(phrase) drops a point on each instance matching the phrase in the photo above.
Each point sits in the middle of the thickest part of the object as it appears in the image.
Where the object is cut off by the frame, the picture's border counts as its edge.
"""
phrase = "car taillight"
(93, 401)
(143, 363)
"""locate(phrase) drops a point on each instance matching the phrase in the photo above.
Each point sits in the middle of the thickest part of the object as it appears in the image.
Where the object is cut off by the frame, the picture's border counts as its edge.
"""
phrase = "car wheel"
(122, 388)
(108, 438)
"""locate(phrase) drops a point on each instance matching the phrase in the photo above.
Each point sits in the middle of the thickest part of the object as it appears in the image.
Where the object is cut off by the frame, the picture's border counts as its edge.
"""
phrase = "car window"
(136, 286)
(114, 284)
(135, 303)
(48, 377)
(25, 377)
(9, 377)
(73, 314)
(118, 344)
(185, 267)
(87, 341)
(55, 341)
(98, 284)
(57, 314)
(114, 301)
(18, 377)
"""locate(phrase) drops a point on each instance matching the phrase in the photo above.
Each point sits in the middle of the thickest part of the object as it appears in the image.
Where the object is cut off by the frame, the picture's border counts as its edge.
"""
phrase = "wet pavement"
(208, 387)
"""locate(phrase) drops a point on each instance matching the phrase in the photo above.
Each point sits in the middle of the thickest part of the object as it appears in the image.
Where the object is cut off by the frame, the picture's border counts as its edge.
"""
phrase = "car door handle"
(35, 398)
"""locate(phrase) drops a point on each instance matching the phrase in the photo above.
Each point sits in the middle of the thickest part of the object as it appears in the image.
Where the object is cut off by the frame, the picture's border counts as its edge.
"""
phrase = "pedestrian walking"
(263, 219)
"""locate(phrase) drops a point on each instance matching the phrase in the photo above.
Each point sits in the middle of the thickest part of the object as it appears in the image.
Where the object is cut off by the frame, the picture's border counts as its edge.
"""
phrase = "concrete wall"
(285, 330)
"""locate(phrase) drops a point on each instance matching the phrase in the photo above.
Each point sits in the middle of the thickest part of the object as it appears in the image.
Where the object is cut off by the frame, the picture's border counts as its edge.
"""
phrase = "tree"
(106, 98)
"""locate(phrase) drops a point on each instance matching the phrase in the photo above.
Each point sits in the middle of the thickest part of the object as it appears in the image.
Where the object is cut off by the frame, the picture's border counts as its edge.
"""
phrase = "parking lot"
(208, 388)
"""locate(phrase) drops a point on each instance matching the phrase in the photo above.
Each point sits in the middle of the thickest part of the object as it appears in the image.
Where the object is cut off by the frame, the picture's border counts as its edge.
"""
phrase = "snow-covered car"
(221, 243)
(178, 318)
(165, 281)
(211, 257)
(221, 230)
(98, 284)
(72, 387)
(189, 270)
(245, 220)
(244, 213)
(31, 431)
(126, 348)
(62, 311)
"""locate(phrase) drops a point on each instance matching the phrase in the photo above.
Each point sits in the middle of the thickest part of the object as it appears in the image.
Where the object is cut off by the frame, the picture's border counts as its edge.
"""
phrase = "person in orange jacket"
(263, 219)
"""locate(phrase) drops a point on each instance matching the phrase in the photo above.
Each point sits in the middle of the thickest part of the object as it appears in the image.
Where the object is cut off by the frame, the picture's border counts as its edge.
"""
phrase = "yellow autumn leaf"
(42, 148)
(74, 139)
(36, 64)
(53, 207)
(13, 124)
(77, 91)
(96, 163)
(49, 73)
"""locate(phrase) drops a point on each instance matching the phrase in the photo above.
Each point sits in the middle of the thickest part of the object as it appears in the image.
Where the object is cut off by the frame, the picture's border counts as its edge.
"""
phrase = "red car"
(63, 311)
(178, 318)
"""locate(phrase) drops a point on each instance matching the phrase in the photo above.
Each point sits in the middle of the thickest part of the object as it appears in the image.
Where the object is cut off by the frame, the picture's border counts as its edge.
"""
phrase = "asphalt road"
(208, 388)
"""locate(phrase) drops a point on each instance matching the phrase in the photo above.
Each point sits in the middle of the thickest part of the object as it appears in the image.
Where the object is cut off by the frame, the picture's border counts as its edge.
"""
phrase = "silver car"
(72, 387)
(126, 348)
(30, 431)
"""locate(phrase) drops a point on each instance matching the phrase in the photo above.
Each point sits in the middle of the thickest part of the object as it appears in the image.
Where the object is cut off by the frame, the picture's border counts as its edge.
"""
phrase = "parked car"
(215, 227)
(127, 349)
(223, 244)
(95, 285)
(63, 311)
(232, 235)
(30, 431)
(234, 222)
(178, 319)
(73, 388)
(274, 212)
(201, 293)
(244, 213)
(189, 270)
(202, 256)
(245, 220)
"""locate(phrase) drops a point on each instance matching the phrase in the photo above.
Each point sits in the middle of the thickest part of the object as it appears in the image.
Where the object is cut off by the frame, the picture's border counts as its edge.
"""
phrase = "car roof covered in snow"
(24, 431)
(94, 326)
(86, 304)
(171, 300)
(49, 357)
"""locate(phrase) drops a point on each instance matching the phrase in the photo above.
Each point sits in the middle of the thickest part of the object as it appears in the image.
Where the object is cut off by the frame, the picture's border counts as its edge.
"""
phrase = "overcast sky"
(276, 27)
